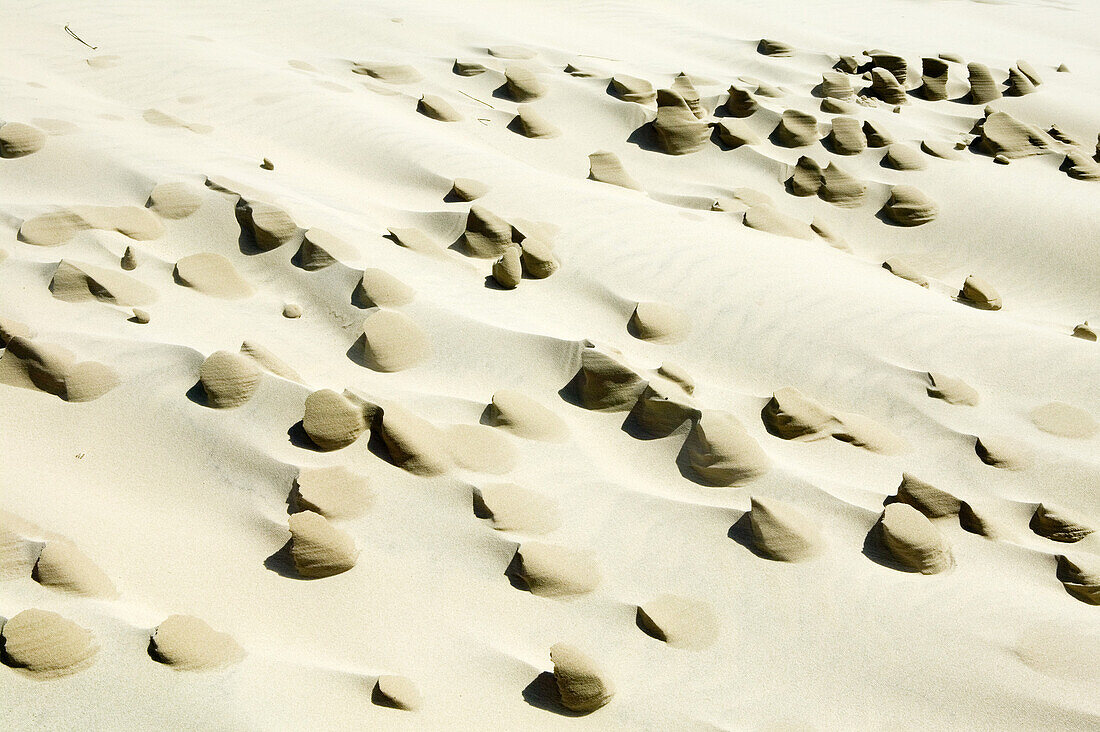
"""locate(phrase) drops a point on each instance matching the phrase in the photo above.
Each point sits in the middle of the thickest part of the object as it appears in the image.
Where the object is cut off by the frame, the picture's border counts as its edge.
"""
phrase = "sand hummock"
(508, 507)
(978, 293)
(782, 532)
(187, 643)
(900, 268)
(378, 288)
(229, 379)
(45, 645)
(908, 206)
(320, 249)
(678, 130)
(518, 414)
(796, 129)
(414, 444)
(388, 73)
(487, 236)
(841, 188)
(333, 492)
(1064, 420)
(877, 134)
(392, 341)
(331, 420)
(680, 622)
(467, 189)
(211, 274)
(805, 180)
(267, 226)
(31, 364)
(605, 383)
(903, 157)
(934, 78)
(58, 227)
(836, 85)
(1080, 575)
(581, 683)
(983, 89)
(468, 68)
(550, 570)
(508, 270)
(886, 87)
(846, 136)
(61, 566)
(396, 692)
(18, 140)
(658, 322)
(768, 47)
(790, 415)
(720, 452)
(951, 390)
(523, 84)
(925, 497)
(733, 133)
(437, 108)
(1058, 524)
(740, 103)
(1019, 84)
(176, 200)
(632, 89)
(1078, 165)
(318, 548)
(913, 540)
(531, 124)
(129, 259)
(765, 217)
(1003, 134)
(74, 281)
(1002, 452)
(1084, 331)
(663, 407)
(605, 167)
(537, 258)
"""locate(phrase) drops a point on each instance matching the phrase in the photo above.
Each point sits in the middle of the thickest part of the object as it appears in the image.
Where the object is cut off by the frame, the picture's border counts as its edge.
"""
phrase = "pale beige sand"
(551, 570)
(176, 200)
(680, 622)
(392, 341)
(508, 507)
(520, 415)
(720, 452)
(1064, 420)
(187, 643)
(211, 274)
(913, 540)
(61, 566)
(57, 228)
(320, 249)
(378, 288)
(334, 492)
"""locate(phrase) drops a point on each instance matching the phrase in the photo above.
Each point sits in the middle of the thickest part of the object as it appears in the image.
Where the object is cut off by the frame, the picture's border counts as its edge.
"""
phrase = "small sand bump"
(979, 294)
(633, 89)
(318, 548)
(908, 206)
(678, 130)
(378, 288)
(174, 200)
(1064, 420)
(765, 217)
(331, 420)
(468, 68)
(913, 540)
(269, 226)
(983, 89)
(45, 645)
(680, 622)
(58, 227)
(1085, 332)
(877, 135)
(269, 361)
(487, 236)
(414, 444)
(1029, 71)
(320, 249)
(549, 570)
(1080, 166)
(720, 452)
(1058, 524)
(520, 415)
(292, 311)
(796, 129)
(32, 365)
(396, 692)
(437, 108)
(1002, 452)
(129, 260)
(658, 322)
(508, 270)
(581, 683)
(529, 123)
(389, 73)
(605, 167)
(140, 316)
(74, 281)
(900, 268)
(187, 643)
(835, 85)
(392, 341)
(229, 379)
(61, 566)
(508, 507)
(841, 188)
(18, 140)
(523, 84)
(903, 157)
(951, 390)
(605, 383)
(740, 103)
(768, 47)
(734, 133)
(782, 532)
(211, 274)
(926, 498)
(266, 164)
(1080, 575)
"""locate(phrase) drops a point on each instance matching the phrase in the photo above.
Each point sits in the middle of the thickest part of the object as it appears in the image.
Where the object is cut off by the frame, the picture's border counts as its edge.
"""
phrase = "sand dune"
(57, 228)
(334, 492)
(320, 249)
(1056, 524)
(720, 452)
(678, 129)
(605, 167)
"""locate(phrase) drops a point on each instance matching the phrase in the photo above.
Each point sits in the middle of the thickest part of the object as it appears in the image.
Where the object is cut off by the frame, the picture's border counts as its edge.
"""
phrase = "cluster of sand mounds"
(229, 379)
(467, 189)
(387, 72)
(378, 288)
(833, 184)
(74, 281)
(487, 235)
(1002, 452)
(978, 293)
(951, 390)
(508, 507)
(550, 570)
(658, 322)
(1058, 524)
(61, 566)
(266, 225)
(57, 227)
(913, 540)
(908, 206)
(605, 383)
(796, 129)
(1080, 575)
(318, 548)
(45, 645)
(392, 341)
(320, 249)
(396, 692)
(791, 415)
(740, 103)
(901, 268)
(414, 444)
(679, 131)
(605, 167)
(1064, 420)
(581, 683)
(211, 274)
(523, 84)
(176, 200)
(333, 492)
(520, 415)
(437, 108)
(331, 420)
(531, 124)
(269, 361)
(30, 364)
(719, 451)
(680, 622)
(632, 89)
(18, 140)
(782, 532)
(187, 643)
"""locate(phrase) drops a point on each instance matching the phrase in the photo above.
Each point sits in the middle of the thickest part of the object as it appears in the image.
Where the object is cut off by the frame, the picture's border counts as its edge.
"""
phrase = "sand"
(353, 356)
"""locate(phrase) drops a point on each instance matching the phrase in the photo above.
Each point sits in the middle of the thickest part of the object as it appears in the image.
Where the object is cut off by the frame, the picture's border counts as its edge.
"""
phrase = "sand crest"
(480, 449)
(45, 645)
(187, 643)
(680, 622)
(318, 548)
(1078, 165)
(685, 87)
(908, 206)
(437, 108)
(396, 692)
(1058, 524)
(556, 571)
(1064, 420)
(900, 268)
(951, 390)
(320, 249)
(331, 420)
(174, 200)
(18, 140)
(378, 288)
(211, 274)
(877, 135)
(508, 270)
(58, 227)
(782, 532)
(129, 259)
(678, 130)
(392, 341)
(1019, 84)
(805, 180)
(508, 507)
(50, 368)
(925, 497)
(633, 89)
(913, 540)
(61, 566)
(605, 167)
(229, 379)
(1080, 575)
(520, 415)
(581, 683)
(334, 492)
(268, 226)
(978, 293)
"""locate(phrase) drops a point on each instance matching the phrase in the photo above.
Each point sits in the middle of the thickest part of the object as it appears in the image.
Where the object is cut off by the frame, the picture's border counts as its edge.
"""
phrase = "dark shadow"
(154, 654)
(197, 394)
(717, 140)
(480, 509)
(646, 626)
(683, 464)
(292, 505)
(486, 417)
(492, 284)
(875, 550)
(360, 300)
(543, 693)
(282, 563)
(514, 573)
(381, 700)
(818, 92)
(516, 126)
(452, 197)
(501, 92)
(246, 240)
(569, 394)
(645, 137)
(299, 438)
(357, 352)
(633, 427)
(881, 216)
(741, 533)
(376, 445)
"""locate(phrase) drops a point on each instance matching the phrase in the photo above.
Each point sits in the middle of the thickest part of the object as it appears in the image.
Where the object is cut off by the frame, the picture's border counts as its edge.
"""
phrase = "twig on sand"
(490, 106)
(70, 32)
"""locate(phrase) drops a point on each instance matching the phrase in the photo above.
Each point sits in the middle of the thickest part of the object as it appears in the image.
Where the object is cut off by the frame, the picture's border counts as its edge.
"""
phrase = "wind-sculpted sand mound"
(467, 189)
(605, 167)
(680, 622)
(1064, 420)
(782, 532)
(846, 136)
(389, 73)
(663, 407)
(719, 451)
(32, 365)
(900, 268)
(1080, 575)
(765, 217)
(685, 87)
(396, 692)
(1057, 524)
(58, 227)
(508, 507)
(487, 236)
(805, 180)
(678, 130)
(926, 498)
(1002, 452)
(437, 108)
(45, 645)
(468, 68)
(61, 566)
(229, 379)
(893, 63)
(1003, 134)
(268, 227)
(1085, 332)
(934, 78)
(269, 361)
(983, 89)
(550, 570)
(18, 140)
(951, 390)
(537, 258)
(740, 103)
(1078, 165)
(174, 200)
(414, 444)
(841, 188)
(913, 540)
(792, 416)
(835, 85)
(903, 157)
(978, 293)
(885, 86)
(523, 84)
(520, 415)
(734, 133)
(331, 420)
(333, 492)
(508, 270)
(378, 288)
(633, 89)
(320, 249)
(187, 643)
(658, 322)
(796, 129)
(74, 281)
(908, 206)
(211, 274)
(768, 47)
(392, 341)
(877, 134)
(605, 383)
(318, 548)
(1018, 83)
(531, 124)
(581, 683)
